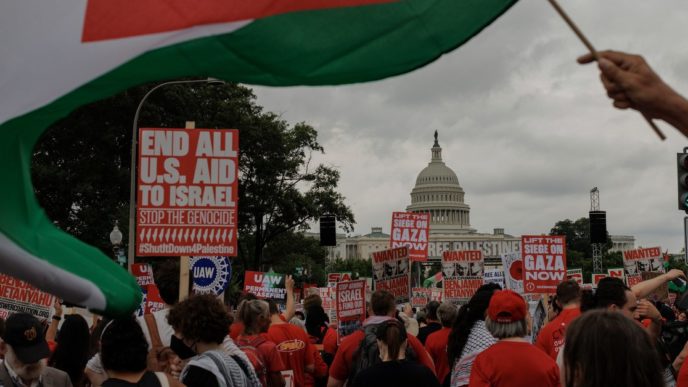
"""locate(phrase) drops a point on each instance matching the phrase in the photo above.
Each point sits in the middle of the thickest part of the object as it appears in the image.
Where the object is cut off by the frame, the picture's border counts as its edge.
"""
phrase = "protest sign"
(143, 273)
(351, 307)
(154, 302)
(544, 262)
(659, 294)
(596, 278)
(411, 229)
(463, 274)
(20, 297)
(513, 271)
(437, 294)
(187, 192)
(576, 275)
(391, 272)
(420, 297)
(265, 285)
(339, 277)
(211, 275)
(494, 275)
(617, 272)
(538, 313)
(151, 300)
(329, 301)
(639, 260)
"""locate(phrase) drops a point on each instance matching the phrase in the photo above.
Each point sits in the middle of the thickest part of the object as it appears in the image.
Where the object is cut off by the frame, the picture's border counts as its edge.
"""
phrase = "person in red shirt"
(512, 361)
(436, 343)
(262, 353)
(237, 326)
(382, 305)
(293, 347)
(551, 336)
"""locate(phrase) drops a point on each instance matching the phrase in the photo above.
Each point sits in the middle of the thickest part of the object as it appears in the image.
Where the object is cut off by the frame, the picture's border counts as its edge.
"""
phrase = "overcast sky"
(527, 130)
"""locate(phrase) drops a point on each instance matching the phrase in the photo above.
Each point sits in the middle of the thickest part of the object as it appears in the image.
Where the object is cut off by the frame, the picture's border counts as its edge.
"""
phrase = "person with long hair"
(200, 325)
(395, 369)
(469, 336)
(605, 348)
(72, 351)
(266, 360)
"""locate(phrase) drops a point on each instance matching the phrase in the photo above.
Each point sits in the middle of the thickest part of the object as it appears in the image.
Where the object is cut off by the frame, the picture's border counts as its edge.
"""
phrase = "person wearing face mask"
(200, 328)
(395, 369)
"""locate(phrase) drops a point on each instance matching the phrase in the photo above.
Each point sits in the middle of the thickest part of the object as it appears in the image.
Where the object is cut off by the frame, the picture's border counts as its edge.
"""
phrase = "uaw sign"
(211, 275)
(187, 192)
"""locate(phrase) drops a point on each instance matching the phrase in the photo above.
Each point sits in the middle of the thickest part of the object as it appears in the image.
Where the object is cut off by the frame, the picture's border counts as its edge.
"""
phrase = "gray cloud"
(527, 130)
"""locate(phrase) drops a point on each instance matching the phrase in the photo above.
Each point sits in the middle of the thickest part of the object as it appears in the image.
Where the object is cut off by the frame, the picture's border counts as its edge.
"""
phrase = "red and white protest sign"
(329, 301)
(463, 274)
(642, 260)
(596, 278)
(20, 297)
(411, 230)
(143, 273)
(351, 307)
(420, 297)
(265, 285)
(544, 262)
(154, 302)
(391, 272)
(187, 192)
(339, 277)
(616, 273)
(576, 275)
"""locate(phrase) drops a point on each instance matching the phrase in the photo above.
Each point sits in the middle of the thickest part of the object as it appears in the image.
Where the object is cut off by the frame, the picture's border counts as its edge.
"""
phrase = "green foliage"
(358, 267)
(290, 250)
(81, 164)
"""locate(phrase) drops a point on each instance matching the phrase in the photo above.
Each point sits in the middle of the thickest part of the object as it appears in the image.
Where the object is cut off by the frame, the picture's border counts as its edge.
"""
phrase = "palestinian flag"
(433, 281)
(58, 55)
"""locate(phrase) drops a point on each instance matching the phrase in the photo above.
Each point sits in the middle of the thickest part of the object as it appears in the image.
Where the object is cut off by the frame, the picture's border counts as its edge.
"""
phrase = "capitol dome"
(439, 193)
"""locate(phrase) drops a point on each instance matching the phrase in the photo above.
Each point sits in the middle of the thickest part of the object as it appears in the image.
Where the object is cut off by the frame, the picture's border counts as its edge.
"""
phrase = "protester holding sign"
(512, 361)
(352, 357)
(433, 323)
(469, 336)
(394, 369)
(551, 337)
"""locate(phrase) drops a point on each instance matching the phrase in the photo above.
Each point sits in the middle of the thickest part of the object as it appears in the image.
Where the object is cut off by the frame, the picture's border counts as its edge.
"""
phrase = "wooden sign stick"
(592, 50)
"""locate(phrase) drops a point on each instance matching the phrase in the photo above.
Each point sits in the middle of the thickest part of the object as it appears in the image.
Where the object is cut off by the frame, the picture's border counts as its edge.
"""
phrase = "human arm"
(644, 288)
(647, 310)
(632, 83)
(51, 333)
(291, 305)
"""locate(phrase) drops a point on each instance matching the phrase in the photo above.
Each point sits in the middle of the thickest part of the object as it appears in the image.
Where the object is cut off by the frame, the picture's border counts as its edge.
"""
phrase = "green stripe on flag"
(334, 46)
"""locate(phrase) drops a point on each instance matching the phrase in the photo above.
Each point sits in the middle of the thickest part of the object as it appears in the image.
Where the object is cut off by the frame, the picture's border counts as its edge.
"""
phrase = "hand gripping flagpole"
(592, 50)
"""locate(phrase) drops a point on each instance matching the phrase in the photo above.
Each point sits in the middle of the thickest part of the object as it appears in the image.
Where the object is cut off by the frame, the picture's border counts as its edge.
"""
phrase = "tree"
(358, 267)
(579, 248)
(81, 165)
(290, 250)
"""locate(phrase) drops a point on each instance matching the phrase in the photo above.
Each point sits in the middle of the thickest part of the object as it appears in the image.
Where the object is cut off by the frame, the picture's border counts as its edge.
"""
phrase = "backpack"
(159, 356)
(368, 354)
(250, 348)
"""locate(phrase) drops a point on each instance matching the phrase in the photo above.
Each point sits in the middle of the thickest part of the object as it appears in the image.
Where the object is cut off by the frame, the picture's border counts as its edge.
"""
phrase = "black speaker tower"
(598, 227)
(328, 230)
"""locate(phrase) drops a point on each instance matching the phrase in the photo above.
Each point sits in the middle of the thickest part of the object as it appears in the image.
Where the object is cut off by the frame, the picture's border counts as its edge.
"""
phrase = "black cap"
(25, 334)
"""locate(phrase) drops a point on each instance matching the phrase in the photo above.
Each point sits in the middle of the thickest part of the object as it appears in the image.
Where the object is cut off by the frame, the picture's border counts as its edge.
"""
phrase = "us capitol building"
(439, 193)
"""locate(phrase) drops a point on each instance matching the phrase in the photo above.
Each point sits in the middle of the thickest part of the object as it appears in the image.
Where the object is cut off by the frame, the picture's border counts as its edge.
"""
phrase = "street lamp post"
(134, 143)
(116, 240)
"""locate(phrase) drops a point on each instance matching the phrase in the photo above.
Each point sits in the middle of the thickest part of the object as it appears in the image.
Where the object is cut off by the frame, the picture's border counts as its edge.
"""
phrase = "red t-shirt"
(511, 363)
(294, 349)
(236, 329)
(330, 341)
(682, 379)
(551, 337)
(268, 351)
(342, 360)
(436, 345)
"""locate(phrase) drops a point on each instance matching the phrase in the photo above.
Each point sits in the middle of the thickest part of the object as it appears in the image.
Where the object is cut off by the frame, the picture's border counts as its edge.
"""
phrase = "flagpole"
(594, 53)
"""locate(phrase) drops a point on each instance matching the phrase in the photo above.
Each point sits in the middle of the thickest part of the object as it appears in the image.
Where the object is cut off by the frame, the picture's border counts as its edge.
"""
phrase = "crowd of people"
(614, 335)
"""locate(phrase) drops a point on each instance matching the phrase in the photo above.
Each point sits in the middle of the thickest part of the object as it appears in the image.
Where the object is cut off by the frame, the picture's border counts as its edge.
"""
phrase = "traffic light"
(682, 172)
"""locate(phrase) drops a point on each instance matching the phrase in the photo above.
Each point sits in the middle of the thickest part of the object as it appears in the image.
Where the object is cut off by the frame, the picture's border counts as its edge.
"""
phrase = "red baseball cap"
(506, 306)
